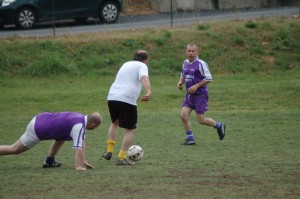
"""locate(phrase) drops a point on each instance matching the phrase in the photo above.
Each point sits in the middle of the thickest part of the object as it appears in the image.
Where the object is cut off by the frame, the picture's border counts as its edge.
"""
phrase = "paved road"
(146, 21)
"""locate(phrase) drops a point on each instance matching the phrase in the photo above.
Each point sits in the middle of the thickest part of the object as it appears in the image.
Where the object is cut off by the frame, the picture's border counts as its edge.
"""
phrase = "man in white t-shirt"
(122, 103)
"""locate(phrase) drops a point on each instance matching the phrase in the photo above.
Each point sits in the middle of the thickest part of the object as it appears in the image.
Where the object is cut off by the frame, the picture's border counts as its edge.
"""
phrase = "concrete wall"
(225, 4)
(185, 5)
(163, 5)
(204, 5)
(178, 5)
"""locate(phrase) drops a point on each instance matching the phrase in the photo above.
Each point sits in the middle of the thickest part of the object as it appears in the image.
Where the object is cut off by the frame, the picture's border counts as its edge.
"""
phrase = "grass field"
(259, 157)
(256, 91)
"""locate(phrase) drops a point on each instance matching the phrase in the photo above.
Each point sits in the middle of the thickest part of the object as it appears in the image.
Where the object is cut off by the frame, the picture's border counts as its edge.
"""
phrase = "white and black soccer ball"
(135, 153)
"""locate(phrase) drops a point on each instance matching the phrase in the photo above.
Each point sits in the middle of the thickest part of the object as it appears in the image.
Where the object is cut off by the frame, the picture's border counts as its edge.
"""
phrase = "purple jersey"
(58, 126)
(194, 73)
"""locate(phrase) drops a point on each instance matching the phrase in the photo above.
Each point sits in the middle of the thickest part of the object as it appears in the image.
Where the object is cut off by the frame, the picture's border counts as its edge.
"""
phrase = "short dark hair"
(140, 55)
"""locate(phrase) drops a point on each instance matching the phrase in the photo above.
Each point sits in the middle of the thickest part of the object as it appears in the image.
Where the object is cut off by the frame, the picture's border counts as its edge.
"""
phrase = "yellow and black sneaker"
(124, 162)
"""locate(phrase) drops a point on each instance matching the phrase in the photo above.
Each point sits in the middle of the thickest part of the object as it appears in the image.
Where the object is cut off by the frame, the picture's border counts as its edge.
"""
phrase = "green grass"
(261, 46)
(259, 157)
(256, 91)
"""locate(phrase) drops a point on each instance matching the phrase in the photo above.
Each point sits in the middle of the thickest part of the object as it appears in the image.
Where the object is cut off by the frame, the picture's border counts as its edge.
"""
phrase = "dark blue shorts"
(199, 103)
(124, 112)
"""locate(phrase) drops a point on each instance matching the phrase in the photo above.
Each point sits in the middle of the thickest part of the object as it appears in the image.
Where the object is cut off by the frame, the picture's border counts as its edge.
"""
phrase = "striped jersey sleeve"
(78, 135)
(204, 70)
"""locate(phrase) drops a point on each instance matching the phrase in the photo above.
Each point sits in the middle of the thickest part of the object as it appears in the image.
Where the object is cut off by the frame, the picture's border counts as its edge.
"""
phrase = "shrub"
(250, 24)
(203, 27)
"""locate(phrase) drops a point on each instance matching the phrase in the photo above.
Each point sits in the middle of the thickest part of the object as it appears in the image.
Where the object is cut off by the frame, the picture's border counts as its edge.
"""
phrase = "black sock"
(49, 160)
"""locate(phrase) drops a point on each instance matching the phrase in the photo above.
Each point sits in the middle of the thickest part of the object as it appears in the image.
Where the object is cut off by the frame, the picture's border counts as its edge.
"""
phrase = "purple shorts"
(199, 103)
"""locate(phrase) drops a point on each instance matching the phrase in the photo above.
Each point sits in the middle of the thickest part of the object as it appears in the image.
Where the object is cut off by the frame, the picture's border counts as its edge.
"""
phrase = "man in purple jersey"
(196, 75)
(60, 127)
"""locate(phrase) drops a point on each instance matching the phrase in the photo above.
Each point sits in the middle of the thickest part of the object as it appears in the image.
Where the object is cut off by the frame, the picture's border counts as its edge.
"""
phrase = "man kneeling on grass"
(60, 127)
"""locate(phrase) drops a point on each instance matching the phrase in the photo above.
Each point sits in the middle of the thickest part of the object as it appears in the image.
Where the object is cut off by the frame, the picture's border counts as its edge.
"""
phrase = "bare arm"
(84, 160)
(180, 83)
(193, 89)
(80, 157)
(146, 84)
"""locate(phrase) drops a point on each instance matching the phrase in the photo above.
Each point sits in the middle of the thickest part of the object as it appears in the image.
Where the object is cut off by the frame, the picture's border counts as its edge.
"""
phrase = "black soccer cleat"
(221, 131)
(107, 155)
(188, 142)
(120, 162)
(54, 164)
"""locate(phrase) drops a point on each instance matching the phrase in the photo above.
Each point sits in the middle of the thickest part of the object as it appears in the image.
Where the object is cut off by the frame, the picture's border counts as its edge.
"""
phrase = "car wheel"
(80, 20)
(109, 12)
(25, 18)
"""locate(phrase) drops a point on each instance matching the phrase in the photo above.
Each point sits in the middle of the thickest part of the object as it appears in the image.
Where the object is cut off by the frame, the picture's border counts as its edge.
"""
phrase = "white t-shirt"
(127, 85)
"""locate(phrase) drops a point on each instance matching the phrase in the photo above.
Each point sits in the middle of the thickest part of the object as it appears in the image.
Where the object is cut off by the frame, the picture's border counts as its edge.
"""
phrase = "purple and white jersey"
(194, 73)
(61, 126)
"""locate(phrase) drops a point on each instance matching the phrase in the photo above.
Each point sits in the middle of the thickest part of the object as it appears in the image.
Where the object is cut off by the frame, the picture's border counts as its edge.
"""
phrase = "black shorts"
(124, 112)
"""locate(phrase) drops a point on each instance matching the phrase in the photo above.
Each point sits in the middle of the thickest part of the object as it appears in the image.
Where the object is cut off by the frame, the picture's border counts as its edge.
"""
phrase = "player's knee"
(201, 121)
(184, 116)
(17, 150)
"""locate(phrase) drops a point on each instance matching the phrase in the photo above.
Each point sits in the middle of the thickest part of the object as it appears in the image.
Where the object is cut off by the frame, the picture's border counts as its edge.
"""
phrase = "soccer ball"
(135, 153)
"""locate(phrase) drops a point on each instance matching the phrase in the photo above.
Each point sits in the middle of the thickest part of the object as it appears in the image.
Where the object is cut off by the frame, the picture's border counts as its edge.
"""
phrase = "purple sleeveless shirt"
(57, 126)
